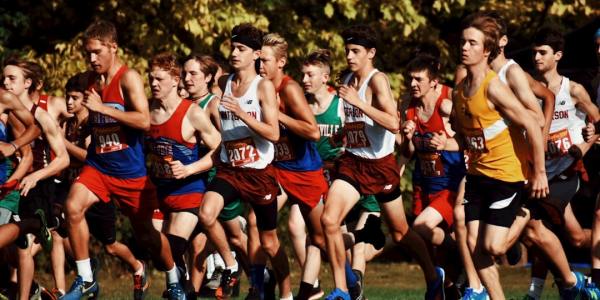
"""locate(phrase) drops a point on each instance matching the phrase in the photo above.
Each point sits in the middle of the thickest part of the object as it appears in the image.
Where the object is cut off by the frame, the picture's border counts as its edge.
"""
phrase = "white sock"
(173, 275)
(139, 271)
(536, 287)
(478, 290)
(233, 268)
(290, 297)
(84, 269)
(316, 285)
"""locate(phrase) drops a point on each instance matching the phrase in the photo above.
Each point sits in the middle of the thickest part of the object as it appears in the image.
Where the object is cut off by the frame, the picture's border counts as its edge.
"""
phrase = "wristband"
(14, 145)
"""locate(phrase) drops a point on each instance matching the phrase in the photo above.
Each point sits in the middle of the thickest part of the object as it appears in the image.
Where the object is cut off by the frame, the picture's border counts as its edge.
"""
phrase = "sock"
(304, 292)
(575, 281)
(316, 285)
(172, 275)
(233, 268)
(351, 279)
(139, 271)
(596, 276)
(289, 297)
(178, 247)
(84, 269)
(257, 277)
(478, 290)
(536, 288)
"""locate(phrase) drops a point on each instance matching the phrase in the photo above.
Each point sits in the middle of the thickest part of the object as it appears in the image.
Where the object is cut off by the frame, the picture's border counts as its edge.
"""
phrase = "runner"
(175, 164)
(368, 167)
(118, 116)
(494, 176)
(249, 125)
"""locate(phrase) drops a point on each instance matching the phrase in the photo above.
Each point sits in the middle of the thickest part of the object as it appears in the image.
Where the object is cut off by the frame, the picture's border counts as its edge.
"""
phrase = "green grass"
(383, 281)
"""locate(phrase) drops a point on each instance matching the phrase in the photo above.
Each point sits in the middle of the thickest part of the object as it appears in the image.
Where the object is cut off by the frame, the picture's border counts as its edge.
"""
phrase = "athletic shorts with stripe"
(492, 201)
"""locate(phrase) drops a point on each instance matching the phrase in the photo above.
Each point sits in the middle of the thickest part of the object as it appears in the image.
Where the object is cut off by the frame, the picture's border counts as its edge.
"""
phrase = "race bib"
(475, 141)
(157, 160)
(109, 139)
(284, 150)
(356, 137)
(241, 152)
(431, 164)
(559, 143)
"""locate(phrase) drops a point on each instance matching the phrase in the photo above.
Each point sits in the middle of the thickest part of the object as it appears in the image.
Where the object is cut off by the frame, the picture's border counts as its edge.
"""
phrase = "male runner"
(249, 127)
(494, 176)
(173, 156)
(114, 168)
(49, 158)
(368, 167)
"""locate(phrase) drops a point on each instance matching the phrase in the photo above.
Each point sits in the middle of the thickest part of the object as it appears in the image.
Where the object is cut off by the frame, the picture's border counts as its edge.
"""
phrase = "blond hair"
(277, 43)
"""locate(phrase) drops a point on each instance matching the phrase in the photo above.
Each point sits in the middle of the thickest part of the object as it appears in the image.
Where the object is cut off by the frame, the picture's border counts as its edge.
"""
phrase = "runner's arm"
(583, 102)
(269, 127)
(19, 113)
(303, 124)
(26, 156)
(519, 84)
(548, 102)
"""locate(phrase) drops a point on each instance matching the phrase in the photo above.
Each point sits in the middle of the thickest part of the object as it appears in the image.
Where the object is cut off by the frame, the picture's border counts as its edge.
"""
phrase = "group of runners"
(498, 158)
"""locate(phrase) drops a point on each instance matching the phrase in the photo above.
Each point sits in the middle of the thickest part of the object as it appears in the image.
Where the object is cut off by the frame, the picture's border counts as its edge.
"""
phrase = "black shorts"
(492, 201)
(42, 196)
(101, 218)
(266, 214)
(551, 210)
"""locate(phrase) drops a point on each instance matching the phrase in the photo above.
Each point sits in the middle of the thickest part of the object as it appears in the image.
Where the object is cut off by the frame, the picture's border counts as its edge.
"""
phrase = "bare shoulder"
(446, 107)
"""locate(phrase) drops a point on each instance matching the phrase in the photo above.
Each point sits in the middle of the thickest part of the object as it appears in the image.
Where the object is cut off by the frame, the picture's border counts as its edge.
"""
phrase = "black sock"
(371, 233)
(304, 292)
(596, 276)
(178, 247)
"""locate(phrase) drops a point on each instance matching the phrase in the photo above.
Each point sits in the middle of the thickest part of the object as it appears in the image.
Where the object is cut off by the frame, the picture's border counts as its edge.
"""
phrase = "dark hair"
(490, 29)
(168, 62)
(102, 30)
(321, 58)
(31, 71)
(502, 26)
(428, 49)
(77, 83)
(549, 36)
(424, 63)
(252, 36)
(360, 35)
(208, 66)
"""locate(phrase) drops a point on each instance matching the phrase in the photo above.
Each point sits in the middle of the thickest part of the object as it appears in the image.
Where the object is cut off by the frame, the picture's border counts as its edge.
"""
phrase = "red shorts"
(184, 202)
(158, 215)
(127, 193)
(257, 186)
(442, 201)
(303, 187)
(370, 176)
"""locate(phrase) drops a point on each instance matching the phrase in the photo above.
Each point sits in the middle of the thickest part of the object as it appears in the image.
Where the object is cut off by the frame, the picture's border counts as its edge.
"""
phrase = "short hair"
(549, 36)
(250, 33)
(424, 63)
(101, 30)
(31, 71)
(166, 61)
(361, 32)
(490, 29)
(321, 58)
(77, 83)
(208, 65)
(428, 49)
(502, 25)
(277, 43)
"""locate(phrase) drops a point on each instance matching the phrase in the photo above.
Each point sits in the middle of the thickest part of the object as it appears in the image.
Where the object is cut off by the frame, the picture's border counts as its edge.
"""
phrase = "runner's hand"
(539, 185)
(438, 141)
(28, 182)
(408, 128)
(588, 131)
(92, 101)
(349, 94)
(6, 149)
(232, 105)
(179, 170)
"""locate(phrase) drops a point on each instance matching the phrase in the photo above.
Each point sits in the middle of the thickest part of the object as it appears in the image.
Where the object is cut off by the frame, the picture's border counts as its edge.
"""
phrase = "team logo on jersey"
(268, 197)
(387, 187)
(563, 102)
(249, 101)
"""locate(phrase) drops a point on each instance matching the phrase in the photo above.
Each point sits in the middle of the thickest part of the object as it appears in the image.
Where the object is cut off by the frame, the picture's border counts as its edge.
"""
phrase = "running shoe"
(357, 291)
(140, 283)
(435, 290)
(471, 294)
(591, 291)
(338, 294)
(175, 292)
(82, 288)
(45, 238)
(228, 281)
(575, 292)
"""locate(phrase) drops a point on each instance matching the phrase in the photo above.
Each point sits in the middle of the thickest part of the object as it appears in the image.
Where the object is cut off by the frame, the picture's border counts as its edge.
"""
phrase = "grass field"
(383, 281)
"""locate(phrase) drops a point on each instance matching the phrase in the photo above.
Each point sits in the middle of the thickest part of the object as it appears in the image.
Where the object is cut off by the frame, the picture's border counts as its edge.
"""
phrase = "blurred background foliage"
(49, 31)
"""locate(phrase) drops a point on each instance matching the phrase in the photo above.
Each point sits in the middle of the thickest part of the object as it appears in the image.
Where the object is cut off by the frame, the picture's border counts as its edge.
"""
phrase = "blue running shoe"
(338, 294)
(471, 294)
(435, 290)
(576, 292)
(591, 291)
(82, 288)
(175, 292)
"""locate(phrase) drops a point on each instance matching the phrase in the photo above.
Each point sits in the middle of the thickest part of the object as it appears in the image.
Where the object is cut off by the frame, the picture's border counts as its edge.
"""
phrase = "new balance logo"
(268, 197)
(249, 101)
(387, 187)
